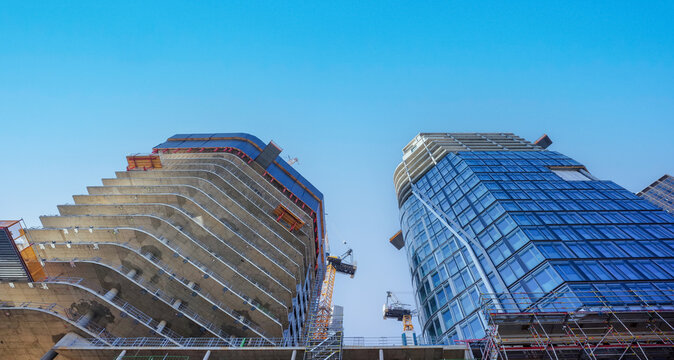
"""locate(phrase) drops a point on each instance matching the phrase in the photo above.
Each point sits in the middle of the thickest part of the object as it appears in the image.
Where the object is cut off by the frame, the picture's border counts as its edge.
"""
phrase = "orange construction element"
(35, 269)
(18, 236)
(407, 323)
(286, 215)
(143, 162)
(7, 223)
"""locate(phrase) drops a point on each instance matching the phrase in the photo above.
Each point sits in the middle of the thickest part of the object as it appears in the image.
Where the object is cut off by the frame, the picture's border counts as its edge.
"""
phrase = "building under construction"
(210, 247)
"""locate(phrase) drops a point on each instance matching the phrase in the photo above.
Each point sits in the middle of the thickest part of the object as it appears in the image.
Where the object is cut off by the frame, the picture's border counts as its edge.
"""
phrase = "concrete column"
(469, 354)
(121, 355)
(294, 355)
(84, 320)
(111, 294)
(208, 354)
(381, 354)
(49, 355)
(132, 273)
(68, 339)
(161, 326)
(176, 304)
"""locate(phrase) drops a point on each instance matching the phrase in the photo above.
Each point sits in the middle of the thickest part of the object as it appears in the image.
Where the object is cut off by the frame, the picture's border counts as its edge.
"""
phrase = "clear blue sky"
(341, 85)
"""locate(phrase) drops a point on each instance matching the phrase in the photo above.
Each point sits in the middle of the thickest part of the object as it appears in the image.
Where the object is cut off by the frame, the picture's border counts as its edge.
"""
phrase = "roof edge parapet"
(427, 149)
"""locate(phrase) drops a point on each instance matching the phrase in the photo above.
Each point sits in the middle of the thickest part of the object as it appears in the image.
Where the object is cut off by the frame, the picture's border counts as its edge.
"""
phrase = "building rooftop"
(426, 149)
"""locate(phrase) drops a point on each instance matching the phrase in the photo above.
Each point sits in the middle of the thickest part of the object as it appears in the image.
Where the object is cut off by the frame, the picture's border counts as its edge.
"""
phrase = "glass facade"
(526, 222)
(661, 193)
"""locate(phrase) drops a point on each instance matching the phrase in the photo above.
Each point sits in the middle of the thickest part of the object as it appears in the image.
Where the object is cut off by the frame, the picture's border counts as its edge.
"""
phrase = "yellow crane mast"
(335, 265)
(324, 335)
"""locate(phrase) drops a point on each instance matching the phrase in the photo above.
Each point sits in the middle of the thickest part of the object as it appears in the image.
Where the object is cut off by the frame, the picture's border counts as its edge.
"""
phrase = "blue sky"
(343, 86)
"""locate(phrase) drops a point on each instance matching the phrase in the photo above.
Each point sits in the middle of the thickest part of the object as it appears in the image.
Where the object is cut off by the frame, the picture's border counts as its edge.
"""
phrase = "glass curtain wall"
(538, 222)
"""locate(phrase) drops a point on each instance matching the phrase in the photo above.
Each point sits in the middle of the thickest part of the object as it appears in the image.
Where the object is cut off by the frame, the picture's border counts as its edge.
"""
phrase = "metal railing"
(177, 250)
(203, 268)
(243, 172)
(170, 301)
(253, 246)
(252, 342)
(179, 229)
(221, 280)
(249, 228)
(265, 200)
(119, 302)
(94, 329)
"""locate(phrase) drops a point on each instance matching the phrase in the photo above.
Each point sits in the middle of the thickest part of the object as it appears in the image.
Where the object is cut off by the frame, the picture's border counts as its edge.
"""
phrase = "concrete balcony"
(247, 175)
(253, 205)
(186, 263)
(246, 187)
(232, 214)
(170, 284)
(243, 238)
(118, 318)
(116, 287)
(37, 325)
(258, 266)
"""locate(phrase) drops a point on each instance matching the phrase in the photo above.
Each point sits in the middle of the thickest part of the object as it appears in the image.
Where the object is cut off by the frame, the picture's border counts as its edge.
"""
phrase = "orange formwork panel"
(34, 266)
(143, 162)
(286, 215)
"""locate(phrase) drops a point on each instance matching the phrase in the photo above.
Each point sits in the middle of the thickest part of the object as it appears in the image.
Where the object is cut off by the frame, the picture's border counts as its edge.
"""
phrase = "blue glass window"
(568, 272)
(505, 225)
(447, 319)
(554, 250)
(531, 257)
(442, 298)
(516, 240)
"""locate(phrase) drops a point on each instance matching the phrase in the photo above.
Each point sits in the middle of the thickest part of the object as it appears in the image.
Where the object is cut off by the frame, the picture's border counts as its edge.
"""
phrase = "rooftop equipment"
(544, 141)
(397, 240)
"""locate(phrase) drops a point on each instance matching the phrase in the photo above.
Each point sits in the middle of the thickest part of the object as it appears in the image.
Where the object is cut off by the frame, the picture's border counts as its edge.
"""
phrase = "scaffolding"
(324, 335)
(322, 341)
(578, 325)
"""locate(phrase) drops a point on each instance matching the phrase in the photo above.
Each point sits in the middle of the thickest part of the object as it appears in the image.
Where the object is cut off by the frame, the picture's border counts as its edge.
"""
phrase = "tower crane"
(394, 309)
(336, 264)
(323, 341)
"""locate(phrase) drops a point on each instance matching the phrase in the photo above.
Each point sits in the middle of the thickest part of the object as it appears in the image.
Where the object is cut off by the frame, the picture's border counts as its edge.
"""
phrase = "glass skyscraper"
(495, 214)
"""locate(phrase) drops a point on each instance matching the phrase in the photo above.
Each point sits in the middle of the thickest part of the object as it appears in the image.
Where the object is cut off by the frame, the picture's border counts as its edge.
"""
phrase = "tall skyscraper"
(661, 193)
(212, 235)
(491, 213)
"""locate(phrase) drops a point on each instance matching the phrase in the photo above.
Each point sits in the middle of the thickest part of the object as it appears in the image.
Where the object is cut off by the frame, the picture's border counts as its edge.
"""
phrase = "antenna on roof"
(293, 160)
